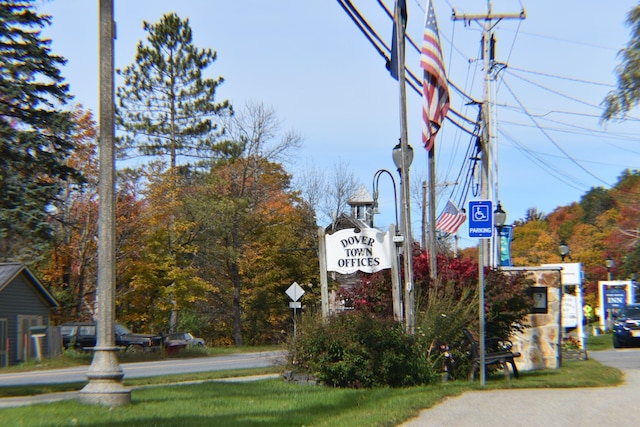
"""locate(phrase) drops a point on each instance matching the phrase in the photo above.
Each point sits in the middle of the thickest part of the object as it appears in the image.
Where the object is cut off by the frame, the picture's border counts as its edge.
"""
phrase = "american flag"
(435, 91)
(450, 219)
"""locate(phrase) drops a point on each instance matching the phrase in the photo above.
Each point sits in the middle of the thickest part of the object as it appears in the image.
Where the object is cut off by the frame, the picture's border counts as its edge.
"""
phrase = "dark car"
(82, 336)
(626, 329)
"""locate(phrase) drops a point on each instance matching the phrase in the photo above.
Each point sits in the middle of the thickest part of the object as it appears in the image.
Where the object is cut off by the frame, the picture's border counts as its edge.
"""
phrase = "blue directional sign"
(480, 218)
(615, 298)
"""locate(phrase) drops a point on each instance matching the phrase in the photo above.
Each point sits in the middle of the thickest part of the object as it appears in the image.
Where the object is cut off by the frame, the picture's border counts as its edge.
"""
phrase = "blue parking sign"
(480, 218)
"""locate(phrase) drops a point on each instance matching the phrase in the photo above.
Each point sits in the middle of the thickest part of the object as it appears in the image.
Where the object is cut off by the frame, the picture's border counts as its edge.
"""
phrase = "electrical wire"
(550, 139)
(374, 38)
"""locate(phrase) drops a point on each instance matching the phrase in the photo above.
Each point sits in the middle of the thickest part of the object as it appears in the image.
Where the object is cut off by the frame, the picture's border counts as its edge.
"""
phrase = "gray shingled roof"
(9, 271)
(361, 195)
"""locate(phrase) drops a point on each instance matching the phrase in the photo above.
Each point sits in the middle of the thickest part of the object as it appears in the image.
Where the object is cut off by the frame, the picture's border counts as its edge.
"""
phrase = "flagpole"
(409, 295)
(433, 255)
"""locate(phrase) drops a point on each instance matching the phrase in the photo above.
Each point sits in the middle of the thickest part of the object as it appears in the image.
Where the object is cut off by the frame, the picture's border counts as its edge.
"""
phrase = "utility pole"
(488, 22)
(409, 291)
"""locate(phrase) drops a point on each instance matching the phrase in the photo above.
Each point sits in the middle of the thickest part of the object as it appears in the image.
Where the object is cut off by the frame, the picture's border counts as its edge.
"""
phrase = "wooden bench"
(497, 352)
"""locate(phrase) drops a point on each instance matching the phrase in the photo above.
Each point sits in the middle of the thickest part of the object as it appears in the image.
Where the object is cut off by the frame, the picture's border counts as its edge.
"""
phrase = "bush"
(356, 349)
(443, 316)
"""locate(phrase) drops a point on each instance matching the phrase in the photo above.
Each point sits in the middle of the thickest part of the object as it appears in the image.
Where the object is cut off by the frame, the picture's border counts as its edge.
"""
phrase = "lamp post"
(609, 263)
(396, 288)
(376, 193)
(105, 373)
(402, 157)
(499, 218)
(563, 249)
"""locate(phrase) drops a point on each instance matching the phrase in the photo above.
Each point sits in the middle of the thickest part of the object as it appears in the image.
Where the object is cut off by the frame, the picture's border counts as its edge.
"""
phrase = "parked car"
(174, 343)
(626, 329)
(187, 337)
(82, 336)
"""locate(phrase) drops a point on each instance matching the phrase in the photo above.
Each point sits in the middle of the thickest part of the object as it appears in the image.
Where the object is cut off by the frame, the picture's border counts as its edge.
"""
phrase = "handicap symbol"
(480, 213)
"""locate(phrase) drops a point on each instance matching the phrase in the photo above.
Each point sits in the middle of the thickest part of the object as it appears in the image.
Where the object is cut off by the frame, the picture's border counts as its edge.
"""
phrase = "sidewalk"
(605, 406)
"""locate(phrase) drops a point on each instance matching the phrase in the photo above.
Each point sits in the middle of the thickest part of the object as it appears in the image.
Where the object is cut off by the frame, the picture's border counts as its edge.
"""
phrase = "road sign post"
(295, 292)
(481, 226)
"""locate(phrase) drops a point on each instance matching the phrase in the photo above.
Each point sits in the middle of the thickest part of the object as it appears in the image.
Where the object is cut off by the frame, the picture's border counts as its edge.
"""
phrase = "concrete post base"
(105, 381)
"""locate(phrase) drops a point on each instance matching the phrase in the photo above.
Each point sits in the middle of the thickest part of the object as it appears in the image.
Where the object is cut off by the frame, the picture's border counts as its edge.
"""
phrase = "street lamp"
(563, 249)
(499, 218)
(396, 288)
(397, 156)
(609, 263)
(402, 157)
(376, 194)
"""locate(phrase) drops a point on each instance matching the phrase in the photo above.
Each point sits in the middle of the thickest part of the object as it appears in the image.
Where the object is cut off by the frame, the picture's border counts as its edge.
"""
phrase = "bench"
(497, 352)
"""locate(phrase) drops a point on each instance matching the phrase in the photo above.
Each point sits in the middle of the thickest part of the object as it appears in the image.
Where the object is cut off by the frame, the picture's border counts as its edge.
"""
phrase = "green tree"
(34, 131)
(167, 109)
(252, 223)
(595, 202)
(166, 105)
(626, 95)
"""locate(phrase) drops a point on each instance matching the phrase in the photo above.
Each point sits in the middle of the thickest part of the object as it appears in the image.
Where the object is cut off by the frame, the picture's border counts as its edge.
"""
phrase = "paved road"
(148, 369)
(603, 406)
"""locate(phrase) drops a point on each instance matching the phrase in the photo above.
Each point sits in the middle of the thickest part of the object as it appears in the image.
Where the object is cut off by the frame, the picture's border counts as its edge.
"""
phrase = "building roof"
(344, 221)
(9, 271)
(361, 196)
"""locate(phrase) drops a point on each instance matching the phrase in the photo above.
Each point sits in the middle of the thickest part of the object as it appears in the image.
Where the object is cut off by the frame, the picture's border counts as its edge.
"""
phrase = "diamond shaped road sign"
(295, 291)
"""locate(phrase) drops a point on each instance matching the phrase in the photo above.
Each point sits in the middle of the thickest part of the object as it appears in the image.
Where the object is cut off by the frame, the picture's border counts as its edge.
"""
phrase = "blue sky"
(309, 61)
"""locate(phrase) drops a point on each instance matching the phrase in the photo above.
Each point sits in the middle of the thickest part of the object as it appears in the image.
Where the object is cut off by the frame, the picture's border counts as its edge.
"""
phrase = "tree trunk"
(237, 311)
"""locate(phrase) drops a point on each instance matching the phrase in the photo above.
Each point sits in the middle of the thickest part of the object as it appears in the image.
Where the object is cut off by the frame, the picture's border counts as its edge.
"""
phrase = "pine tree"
(34, 131)
(166, 106)
(626, 96)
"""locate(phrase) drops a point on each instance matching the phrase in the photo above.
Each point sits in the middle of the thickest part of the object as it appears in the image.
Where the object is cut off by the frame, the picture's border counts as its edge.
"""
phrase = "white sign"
(571, 272)
(368, 251)
(569, 311)
(295, 291)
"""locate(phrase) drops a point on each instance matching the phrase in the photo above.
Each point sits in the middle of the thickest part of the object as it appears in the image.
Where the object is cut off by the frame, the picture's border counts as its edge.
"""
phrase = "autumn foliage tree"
(70, 268)
(253, 224)
(603, 224)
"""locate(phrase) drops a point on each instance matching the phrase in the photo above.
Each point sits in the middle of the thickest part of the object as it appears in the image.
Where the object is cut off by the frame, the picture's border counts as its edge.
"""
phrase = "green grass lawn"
(273, 402)
(278, 403)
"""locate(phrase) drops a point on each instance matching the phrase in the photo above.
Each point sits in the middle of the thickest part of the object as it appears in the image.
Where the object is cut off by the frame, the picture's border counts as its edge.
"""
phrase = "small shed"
(25, 308)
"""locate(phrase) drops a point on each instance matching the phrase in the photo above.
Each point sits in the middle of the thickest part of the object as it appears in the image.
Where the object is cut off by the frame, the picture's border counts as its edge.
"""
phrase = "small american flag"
(435, 91)
(450, 219)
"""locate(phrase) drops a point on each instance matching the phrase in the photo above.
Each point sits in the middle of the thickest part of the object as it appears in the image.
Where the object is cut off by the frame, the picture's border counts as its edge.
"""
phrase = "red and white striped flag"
(435, 91)
(450, 219)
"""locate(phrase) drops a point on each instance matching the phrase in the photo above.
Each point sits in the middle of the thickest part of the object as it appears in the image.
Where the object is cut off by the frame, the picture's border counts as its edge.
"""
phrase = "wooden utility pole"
(409, 292)
(488, 22)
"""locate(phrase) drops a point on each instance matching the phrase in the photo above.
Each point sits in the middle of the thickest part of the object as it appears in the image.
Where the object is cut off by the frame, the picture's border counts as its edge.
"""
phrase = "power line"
(374, 38)
(546, 134)
(555, 76)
